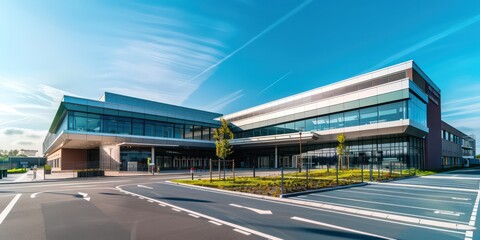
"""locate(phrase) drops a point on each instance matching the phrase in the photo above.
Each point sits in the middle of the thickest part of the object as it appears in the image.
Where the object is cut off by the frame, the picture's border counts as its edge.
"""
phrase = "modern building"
(121, 133)
(458, 148)
(392, 115)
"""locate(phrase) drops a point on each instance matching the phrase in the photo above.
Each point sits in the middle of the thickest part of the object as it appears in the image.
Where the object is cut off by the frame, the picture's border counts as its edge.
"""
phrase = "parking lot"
(442, 198)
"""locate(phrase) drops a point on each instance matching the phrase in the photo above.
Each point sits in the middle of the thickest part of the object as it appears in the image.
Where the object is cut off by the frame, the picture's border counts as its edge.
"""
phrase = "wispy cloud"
(161, 51)
(253, 39)
(224, 101)
(276, 81)
(427, 41)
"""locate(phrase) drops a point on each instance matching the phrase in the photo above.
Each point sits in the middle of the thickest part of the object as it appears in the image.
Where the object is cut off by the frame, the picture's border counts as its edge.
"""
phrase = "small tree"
(341, 147)
(222, 136)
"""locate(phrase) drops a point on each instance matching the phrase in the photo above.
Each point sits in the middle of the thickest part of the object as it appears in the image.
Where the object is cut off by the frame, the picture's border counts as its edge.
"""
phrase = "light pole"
(300, 162)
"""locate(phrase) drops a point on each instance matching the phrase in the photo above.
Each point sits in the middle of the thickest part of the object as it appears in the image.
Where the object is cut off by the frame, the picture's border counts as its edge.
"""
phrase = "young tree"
(222, 136)
(341, 147)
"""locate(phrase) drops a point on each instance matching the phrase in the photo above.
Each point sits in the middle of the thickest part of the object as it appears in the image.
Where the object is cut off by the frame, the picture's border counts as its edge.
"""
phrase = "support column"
(153, 160)
(276, 157)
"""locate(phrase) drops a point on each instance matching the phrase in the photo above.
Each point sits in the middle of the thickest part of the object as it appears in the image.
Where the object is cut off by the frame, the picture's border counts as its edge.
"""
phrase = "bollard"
(281, 184)
(253, 171)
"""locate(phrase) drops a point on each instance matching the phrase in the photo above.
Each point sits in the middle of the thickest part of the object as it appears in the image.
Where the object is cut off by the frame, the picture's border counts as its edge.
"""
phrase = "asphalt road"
(151, 208)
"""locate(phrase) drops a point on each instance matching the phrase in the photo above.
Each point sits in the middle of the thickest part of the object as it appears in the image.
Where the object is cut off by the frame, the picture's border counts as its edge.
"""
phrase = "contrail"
(427, 41)
(278, 80)
(266, 30)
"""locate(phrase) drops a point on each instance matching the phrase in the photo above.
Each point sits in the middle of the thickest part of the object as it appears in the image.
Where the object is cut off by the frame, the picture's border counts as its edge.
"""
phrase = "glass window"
(159, 129)
(178, 130)
(368, 115)
(188, 131)
(280, 128)
(323, 123)
(124, 125)
(205, 133)
(300, 125)
(149, 128)
(290, 127)
(197, 132)
(337, 121)
(94, 123)
(110, 124)
(310, 124)
(390, 112)
(351, 118)
(137, 127)
(80, 122)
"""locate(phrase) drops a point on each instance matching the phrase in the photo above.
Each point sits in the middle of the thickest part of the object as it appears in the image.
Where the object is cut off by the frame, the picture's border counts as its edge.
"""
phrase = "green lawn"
(296, 182)
(17, 170)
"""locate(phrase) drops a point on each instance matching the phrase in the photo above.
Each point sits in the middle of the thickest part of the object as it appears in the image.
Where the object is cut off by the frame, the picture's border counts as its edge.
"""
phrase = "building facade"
(391, 115)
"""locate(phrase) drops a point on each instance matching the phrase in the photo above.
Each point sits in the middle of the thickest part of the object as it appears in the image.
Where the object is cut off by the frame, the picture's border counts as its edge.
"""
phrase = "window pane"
(368, 115)
(178, 130)
(336, 121)
(351, 118)
(323, 123)
(188, 131)
(149, 128)
(390, 112)
(94, 123)
(310, 124)
(110, 124)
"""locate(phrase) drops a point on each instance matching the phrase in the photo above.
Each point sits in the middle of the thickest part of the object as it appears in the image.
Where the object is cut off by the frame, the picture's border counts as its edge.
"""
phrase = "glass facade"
(99, 123)
(413, 109)
(400, 149)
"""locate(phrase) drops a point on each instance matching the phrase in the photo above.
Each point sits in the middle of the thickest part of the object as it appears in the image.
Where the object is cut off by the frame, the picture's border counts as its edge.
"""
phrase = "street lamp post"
(300, 162)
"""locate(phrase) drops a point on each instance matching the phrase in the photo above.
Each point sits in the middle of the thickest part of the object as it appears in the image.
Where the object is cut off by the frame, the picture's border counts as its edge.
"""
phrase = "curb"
(323, 190)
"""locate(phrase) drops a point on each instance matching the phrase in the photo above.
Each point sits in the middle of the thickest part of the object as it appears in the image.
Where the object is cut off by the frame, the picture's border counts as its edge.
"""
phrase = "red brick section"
(74, 159)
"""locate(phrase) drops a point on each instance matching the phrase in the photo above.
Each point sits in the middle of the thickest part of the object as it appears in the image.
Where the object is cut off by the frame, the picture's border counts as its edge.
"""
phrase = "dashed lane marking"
(242, 232)
(215, 223)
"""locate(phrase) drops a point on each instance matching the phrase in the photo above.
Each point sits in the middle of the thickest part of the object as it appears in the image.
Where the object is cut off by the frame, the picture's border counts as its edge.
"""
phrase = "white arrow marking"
(252, 209)
(448, 213)
(84, 195)
(33, 195)
(144, 186)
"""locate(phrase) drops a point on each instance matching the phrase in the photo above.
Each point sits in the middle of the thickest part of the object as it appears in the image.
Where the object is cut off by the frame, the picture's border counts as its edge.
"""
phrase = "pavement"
(442, 206)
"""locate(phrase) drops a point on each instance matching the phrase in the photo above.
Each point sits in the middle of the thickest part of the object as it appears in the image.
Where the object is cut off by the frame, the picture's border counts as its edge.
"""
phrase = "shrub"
(47, 167)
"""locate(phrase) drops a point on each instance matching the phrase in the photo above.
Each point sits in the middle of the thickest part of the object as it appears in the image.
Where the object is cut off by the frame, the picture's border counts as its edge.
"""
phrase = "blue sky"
(224, 56)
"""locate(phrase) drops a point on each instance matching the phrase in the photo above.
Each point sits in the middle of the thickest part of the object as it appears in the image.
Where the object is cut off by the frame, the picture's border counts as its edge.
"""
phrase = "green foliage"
(341, 144)
(222, 136)
(17, 170)
(47, 167)
(478, 156)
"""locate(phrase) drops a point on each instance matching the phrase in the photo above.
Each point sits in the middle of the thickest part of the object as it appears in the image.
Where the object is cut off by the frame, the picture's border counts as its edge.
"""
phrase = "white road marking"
(141, 198)
(380, 203)
(457, 214)
(84, 195)
(142, 186)
(150, 201)
(417, 190)
(161, 204)
(9, 207)
(264, 235)
(176, 210)
(396, 196)
(389, 212)
(462, 199)
(193, 215)
(451, 178)
(423, 186)
(216, 223)
(432, 225)
(242, 232)
(340, 228)
(259, 211)
(61, 184)
(397, 193)
(33, 195)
